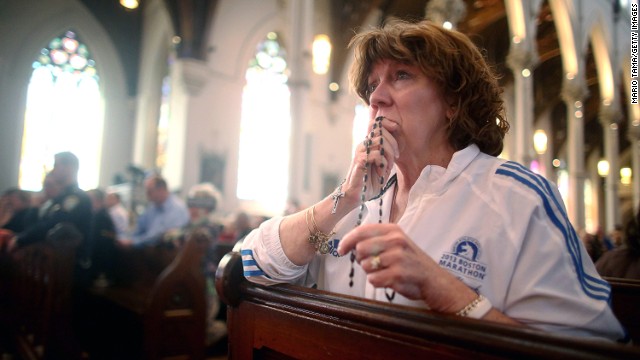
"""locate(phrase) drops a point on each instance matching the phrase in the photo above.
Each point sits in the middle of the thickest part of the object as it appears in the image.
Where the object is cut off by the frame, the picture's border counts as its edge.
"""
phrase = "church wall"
(214, 114)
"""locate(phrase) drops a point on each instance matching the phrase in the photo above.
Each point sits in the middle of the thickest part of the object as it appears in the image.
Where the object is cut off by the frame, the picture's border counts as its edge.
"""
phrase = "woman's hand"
(392, 260)
(382, 152)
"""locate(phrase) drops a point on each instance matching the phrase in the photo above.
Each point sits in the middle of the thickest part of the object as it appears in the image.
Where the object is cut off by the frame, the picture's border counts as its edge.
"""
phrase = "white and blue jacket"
(498, 227)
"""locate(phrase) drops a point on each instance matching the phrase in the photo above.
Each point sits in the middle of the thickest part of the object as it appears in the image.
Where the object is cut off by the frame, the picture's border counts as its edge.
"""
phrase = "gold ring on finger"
(375, 263)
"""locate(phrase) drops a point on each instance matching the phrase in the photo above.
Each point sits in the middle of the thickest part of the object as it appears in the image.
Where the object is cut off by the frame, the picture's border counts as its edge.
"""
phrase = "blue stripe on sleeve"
(593, 287)
(575, 240)
(250, 266)
(543, 184)
(249, 273)
(250, 262)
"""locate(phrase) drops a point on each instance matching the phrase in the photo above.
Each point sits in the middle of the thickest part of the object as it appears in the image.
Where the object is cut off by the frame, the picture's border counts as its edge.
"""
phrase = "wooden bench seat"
(285, 321)
(164, 318)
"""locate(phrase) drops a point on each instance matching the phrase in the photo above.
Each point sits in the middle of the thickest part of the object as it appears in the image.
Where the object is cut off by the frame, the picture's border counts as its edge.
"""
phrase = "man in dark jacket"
(72, 205)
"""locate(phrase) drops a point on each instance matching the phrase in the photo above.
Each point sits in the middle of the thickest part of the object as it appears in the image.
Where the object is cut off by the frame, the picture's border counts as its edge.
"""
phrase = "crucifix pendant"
(336, 197)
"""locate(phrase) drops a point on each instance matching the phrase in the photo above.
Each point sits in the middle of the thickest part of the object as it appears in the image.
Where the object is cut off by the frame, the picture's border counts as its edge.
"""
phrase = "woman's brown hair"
(454, 63)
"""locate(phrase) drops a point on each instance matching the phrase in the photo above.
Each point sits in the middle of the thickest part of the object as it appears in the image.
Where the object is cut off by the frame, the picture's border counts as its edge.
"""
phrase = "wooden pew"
(285, 321)
(625, 302)
(163, 319)
(42, 285)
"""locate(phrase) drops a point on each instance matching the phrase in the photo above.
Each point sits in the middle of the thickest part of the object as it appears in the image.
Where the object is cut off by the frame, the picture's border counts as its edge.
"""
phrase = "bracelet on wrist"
(478, 308)
(317, 238)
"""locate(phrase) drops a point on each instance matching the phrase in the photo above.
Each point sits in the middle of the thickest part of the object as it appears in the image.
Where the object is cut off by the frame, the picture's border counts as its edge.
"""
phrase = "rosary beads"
(363, 196)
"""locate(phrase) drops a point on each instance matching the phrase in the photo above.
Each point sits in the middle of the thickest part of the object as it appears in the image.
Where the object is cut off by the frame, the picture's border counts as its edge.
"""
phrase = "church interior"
(253, 95)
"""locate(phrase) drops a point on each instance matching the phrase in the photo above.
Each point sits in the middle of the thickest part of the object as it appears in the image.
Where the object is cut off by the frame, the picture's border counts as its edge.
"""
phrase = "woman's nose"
(380, 96)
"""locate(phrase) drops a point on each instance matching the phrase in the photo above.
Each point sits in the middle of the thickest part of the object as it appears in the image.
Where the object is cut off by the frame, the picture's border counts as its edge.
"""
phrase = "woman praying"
(428, 215)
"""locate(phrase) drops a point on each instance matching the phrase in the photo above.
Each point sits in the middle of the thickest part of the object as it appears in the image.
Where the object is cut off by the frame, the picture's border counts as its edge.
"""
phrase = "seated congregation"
(73, 284)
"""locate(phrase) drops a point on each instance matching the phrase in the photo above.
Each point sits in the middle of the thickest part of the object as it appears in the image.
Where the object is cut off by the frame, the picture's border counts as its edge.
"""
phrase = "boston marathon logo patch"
(463, 260)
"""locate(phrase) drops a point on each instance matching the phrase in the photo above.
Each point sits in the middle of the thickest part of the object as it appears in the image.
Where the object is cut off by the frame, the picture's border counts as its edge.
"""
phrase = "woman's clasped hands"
(392, 260)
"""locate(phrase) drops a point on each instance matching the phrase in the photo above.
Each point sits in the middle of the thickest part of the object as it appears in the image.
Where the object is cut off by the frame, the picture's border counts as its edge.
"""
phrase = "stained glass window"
(265, 129)
(63, 112)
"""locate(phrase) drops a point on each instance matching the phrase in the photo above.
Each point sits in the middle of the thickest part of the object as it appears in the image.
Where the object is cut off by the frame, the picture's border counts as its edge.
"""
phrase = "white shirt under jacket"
(494, 224)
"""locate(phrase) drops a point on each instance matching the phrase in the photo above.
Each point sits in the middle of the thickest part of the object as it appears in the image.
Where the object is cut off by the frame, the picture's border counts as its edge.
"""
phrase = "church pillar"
(573, 92)
(146, 135)
(521, 60)
(148, 98)
(608, 115)
(188, 77)
(301, 20)
(545, 159)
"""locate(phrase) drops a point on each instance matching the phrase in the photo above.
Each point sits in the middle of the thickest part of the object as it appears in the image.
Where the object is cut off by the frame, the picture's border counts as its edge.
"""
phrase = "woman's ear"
(452, 107)
(451, 111)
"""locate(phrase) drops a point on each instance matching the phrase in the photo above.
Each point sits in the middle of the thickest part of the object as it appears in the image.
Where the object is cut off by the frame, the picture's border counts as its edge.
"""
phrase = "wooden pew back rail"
(286, 321)
(176, 310)
(167, 316)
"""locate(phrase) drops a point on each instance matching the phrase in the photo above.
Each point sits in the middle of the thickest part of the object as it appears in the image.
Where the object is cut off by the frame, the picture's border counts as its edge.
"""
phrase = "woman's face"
(404, 95)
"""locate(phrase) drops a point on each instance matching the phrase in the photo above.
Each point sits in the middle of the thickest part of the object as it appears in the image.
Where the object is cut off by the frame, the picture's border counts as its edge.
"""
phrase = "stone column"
(521, 60)
(608, 119)
(301, 19)
(573, 93)
(546, 159)
(188, 77)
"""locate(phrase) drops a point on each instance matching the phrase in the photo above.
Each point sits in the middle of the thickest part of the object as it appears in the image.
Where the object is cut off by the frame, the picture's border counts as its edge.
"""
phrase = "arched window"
(63, 113)
(265, 129)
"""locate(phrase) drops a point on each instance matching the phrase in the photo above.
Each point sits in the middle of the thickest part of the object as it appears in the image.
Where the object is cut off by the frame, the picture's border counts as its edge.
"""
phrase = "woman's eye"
(402, 75)
(371, 88)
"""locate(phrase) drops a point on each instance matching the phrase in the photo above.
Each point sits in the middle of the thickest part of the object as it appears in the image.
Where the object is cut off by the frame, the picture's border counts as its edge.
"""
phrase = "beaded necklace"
(368, 142)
